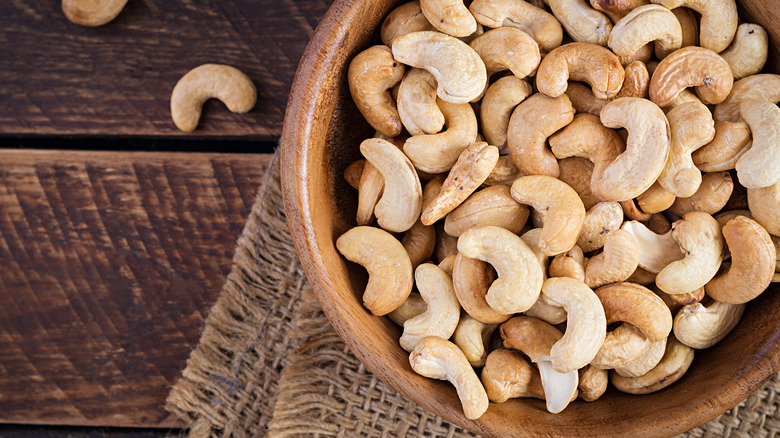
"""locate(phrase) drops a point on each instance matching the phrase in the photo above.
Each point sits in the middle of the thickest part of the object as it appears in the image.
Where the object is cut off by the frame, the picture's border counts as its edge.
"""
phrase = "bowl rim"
(303, 108)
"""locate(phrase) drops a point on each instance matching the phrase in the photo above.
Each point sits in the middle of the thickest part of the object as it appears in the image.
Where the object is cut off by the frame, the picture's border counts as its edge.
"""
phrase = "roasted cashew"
(618, 261)
(519, 279)
(458, 69)
(437, 153)
(585, 62)
(581, 22)
(437, 358)
(688, 298)
(583, 100)
(432, 189)
(760, 165)
(655, 199)
(370, 189)
(543, 308)
(570, 264)
(586, 324)
(371, 74)
(643, 55)
(763, 87)
(489, 206)
(673, 365)
(689, 25)
(702, 326)
(92, 13)
(529, 335)
(469, 172)
(532, 121)
(449, 16)
(508, 375)
(559, 388)
(446, 245)
(442, 307)
(691, 67)
(448, 264)
(731, 140)
(507, 48)
(586, 137)
(753, 260)
(401, 202)
(600, 221)
(621, 345)
(747, 54)
(411, 307)
(643, 25)
(701, 241)
(638, 306)
(500, 100)
(617, 9)
(655, 251)
(633, 212)
(636, 82)
(718, 20)
(577, 174)
(647, 147)
(764, 203)
(711, 197)
(562, 210)
(505, 172)
(353, 172)
(419, 241)
(692, 127)
(207, 81)
(593, 382)
(472, 279)
(404, 19)
(541, 25)
(387, 263)
(646, 361)
(472, 337)
(417, 103)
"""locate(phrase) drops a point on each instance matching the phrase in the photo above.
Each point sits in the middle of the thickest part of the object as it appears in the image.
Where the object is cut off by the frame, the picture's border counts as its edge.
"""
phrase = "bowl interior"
(322, 132)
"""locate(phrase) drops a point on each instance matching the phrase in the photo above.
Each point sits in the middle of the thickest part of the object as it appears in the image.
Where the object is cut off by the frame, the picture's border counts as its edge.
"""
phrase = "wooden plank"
(109, 262)
(61, 78)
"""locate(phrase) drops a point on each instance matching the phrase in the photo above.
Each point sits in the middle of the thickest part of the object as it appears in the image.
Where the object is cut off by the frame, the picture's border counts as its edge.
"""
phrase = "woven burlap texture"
(269, 363)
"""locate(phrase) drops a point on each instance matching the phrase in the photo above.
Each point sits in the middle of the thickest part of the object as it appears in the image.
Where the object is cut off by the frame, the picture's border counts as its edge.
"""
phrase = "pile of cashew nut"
(580, 195)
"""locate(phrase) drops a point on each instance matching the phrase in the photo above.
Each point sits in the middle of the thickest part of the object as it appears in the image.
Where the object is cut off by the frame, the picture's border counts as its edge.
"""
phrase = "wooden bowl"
(322, 132)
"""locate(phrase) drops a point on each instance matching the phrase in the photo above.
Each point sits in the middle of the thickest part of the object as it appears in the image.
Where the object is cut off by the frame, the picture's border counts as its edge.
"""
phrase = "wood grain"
(61, 78)
(110, 262)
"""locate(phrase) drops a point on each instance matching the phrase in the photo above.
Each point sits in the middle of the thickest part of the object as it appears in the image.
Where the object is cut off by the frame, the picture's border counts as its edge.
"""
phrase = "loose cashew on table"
(637, 189)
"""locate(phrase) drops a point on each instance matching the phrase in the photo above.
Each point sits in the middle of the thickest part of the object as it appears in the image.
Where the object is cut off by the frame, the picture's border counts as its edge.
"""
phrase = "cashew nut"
(763, 87)
(655, 199)
(764, 203)
(532, 121)
(718, 20)
(401, 202)
(387, 263)
(685, 96)
(643, 25)
(469, 172)
(689, 24)
(636, 305)
(753, 260)
(519, 274)
(417, 103)
(448, 264)
(586, 324)
(92, 13)
(458, 69)
(446, 245)
(620, 347)
(442, 308)
(760, 165)
(559, 388)
(646, 361)
(371, 74)
(471, 279)
(731, 140)
(673, 365)
(437, 153)
(411, 307)
(370, 188)
(688, 298)
(655, 251)
(600, 221)
(633, 212)
(583, 100)
(507, 48)
(586, 137)
(570, 264)
(586, 62)
(419, 241)
(562, 210)
(581, 22)
(702, 326)
(701, 241)
(529, 335)
(636, 82)
(505, 172)
(541, 25)
(577, 174)
(404, 19)
(747, 54)
(643, 55)
(449, 16)
(543, 308)
(658, 224)
(472, 337)
(647, 147)
(436, 358)
(618, 261)
(500, 100)
(692, 127)
(508, 375)
(489, 206)
(711, 197)
(593, 382)
(353, 172)
(207, 81)
(691, 67)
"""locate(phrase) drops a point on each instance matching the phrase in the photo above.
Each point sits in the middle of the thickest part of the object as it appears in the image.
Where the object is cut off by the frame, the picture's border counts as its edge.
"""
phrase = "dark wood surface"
(57, 77)
(110, 262)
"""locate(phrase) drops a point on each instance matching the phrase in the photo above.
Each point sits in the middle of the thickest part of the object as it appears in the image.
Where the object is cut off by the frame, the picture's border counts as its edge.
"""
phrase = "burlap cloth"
(269, 363)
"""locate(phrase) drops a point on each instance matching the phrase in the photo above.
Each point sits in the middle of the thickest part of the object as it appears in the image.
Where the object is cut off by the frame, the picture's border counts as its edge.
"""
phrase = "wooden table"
(116, 229)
